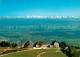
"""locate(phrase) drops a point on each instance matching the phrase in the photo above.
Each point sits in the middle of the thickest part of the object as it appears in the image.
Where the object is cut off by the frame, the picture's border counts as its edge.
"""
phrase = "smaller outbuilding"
(56, 45)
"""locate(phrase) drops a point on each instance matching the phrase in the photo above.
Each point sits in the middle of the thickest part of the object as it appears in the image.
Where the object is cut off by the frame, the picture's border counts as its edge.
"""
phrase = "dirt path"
(13, 52)
(41, 54)
(47, 52)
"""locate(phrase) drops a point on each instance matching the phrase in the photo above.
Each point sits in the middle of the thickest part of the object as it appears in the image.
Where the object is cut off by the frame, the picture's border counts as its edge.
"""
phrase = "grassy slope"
(53, 54)
(34, 53)
(78, 49)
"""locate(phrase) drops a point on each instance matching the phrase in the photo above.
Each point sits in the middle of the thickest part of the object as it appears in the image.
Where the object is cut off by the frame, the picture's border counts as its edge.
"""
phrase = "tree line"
(7, 44)
(70, 50)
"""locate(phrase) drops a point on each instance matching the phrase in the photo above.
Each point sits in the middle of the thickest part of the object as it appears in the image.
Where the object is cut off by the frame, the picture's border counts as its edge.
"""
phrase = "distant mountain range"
(51, 17)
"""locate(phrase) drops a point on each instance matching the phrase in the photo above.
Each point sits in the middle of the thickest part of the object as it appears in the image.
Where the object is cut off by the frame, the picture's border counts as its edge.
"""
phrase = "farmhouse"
(42, 44)
(45, 46)
(37, 46)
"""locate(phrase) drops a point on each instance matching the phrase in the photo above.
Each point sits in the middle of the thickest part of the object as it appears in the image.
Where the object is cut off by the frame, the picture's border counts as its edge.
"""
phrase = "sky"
(40, 7)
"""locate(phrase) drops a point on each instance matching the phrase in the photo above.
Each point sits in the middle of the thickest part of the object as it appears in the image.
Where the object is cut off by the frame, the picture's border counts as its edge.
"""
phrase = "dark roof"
(42, 43)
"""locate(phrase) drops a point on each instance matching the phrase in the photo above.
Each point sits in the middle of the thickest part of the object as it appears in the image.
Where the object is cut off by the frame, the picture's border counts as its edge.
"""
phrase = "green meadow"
(35, 53)
(54, 54)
